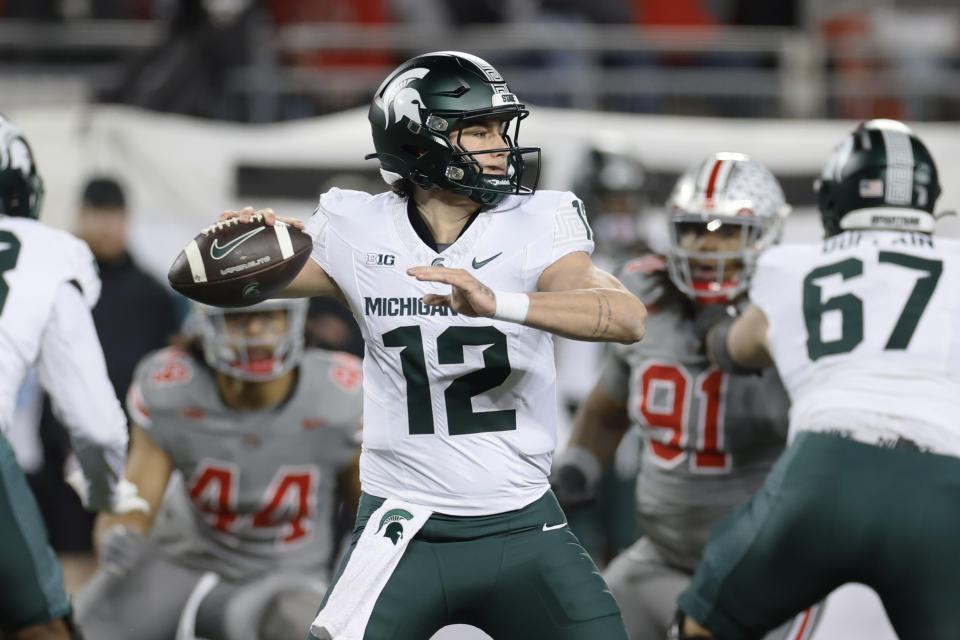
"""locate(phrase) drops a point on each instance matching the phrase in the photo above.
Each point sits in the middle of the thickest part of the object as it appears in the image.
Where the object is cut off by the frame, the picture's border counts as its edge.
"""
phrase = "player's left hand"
(468, 296)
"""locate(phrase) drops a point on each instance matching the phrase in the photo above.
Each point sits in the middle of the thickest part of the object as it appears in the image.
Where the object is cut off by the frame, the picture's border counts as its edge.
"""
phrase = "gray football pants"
(157, 596)
(647, 588)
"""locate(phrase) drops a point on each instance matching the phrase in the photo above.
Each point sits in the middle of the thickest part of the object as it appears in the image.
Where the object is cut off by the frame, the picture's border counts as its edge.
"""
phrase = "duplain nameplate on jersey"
(236, 264)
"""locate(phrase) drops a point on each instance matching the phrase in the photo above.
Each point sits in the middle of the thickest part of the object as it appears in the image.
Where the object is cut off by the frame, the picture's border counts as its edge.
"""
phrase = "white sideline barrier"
(180, 171)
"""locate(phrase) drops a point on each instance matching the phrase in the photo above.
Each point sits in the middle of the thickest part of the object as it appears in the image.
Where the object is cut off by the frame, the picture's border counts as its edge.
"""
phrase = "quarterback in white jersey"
(457, 279)
(48, 284)
(863, 330)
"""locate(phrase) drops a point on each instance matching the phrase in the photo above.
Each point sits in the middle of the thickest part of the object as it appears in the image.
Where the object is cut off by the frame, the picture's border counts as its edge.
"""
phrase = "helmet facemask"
(419, 112)
(257, 343)
(724, 213)
(464, 171)
(719, 275)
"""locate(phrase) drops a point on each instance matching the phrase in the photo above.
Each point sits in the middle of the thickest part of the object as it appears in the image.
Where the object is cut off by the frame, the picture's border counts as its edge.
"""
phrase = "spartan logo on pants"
(393, 520)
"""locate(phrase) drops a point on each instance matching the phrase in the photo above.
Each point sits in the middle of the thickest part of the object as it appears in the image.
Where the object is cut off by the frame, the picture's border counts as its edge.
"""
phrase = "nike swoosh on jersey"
(477, 265)
(218, 253)
(551, 527)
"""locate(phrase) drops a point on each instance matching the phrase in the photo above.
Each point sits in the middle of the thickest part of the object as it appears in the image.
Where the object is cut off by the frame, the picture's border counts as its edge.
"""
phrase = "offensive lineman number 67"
(851, 307)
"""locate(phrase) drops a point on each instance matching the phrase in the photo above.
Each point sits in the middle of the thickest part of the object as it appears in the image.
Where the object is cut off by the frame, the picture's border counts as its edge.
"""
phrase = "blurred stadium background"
(201, 105)
(198, 105)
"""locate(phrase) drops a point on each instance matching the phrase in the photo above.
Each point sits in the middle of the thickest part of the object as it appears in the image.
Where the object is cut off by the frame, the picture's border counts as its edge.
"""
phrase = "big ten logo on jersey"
(346, 372)
(286, 504)
(173, 369)
(381, 259)
(684, 412)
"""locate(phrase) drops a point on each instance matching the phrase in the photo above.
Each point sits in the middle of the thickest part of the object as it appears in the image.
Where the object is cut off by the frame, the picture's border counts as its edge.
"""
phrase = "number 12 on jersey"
(458, 397)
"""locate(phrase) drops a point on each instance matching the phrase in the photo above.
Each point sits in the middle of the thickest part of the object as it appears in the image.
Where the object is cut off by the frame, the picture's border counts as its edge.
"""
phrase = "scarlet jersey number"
(666, 405)
(288, 499)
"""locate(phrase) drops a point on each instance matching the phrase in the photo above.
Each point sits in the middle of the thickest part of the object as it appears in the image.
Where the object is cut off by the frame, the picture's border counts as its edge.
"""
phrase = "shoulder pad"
(645, 277)
(78, 264)
(344, 370)
(167, 367)
(345, 202)
(648, 264)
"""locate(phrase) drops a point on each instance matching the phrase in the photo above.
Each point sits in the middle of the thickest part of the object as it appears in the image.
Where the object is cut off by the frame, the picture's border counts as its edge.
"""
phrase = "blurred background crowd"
(269, 60)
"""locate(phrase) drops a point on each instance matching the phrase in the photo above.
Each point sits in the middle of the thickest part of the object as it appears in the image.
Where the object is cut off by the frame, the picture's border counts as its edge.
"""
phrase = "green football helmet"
(430, 97)
(881, 176)
(21, 189)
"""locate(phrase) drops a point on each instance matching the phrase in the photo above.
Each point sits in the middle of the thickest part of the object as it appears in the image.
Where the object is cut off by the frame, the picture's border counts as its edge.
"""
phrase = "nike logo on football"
(477, 264)
(218, 253)
(551, 527)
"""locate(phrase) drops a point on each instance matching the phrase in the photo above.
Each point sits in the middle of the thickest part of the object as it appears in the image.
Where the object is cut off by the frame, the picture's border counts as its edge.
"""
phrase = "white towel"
(378, 551)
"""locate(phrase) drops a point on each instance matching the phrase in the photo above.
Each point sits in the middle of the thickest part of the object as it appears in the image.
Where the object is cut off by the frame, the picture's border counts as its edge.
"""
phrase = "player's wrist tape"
(719, 353)
(512, 307)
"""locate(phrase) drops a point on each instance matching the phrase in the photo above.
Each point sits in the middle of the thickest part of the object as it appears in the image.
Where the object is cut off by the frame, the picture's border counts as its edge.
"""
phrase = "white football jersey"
(35, 261)
(865, 332)
(459, 413)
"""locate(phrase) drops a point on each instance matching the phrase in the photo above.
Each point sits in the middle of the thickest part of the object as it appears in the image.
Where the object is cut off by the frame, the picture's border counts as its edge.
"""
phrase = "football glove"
(575, 474)
(120, 549)
(123, 500)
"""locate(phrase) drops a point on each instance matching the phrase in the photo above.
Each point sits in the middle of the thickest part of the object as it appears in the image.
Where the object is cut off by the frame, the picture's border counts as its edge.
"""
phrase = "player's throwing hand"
(469, 296)
(269, 217)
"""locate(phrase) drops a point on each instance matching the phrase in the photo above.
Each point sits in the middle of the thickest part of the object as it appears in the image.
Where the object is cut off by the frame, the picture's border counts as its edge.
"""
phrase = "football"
(237, 264)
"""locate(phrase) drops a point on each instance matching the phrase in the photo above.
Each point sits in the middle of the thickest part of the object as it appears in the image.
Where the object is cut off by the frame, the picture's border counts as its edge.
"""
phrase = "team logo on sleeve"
(391, 524)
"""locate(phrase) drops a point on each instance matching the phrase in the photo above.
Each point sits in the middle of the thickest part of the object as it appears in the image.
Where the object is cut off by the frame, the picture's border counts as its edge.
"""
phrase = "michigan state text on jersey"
(862, 328)
(459, 403)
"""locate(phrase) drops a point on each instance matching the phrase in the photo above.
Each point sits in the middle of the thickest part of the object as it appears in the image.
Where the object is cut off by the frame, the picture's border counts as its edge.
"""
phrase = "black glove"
(710, 315)
(575, 475)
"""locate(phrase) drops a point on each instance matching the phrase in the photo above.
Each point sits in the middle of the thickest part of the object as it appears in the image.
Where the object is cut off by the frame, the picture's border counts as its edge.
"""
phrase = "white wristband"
(511, 307)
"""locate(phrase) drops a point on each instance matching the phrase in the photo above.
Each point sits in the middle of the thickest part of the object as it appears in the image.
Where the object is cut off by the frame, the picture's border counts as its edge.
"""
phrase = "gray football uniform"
(709, 440)
(258, 487)
(256, 496)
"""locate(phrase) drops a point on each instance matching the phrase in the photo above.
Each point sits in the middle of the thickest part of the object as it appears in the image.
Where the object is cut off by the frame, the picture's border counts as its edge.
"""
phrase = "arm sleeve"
(316, 227)
(571, 231)
(73, 371)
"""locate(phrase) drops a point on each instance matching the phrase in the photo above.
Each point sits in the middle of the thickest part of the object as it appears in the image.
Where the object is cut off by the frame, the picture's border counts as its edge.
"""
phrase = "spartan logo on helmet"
(881, 176)
(21, 189)
(419, 109)
(402, 100)
(391, 524)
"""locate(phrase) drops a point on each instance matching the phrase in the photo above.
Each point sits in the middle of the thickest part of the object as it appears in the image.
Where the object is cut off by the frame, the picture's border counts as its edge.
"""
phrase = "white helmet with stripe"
(730, 194)
(252, 343)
